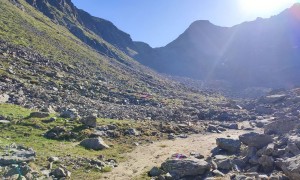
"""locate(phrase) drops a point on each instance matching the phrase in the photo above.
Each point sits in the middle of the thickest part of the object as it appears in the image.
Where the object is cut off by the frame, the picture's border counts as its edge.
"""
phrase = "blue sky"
(158, 22)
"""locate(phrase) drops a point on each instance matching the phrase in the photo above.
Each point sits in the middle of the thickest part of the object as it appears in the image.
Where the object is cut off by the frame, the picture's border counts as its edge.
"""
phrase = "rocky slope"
(46, 66)
(262, 53)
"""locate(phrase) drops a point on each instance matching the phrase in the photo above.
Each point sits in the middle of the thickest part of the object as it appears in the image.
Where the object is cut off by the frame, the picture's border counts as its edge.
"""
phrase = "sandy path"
(144, 157)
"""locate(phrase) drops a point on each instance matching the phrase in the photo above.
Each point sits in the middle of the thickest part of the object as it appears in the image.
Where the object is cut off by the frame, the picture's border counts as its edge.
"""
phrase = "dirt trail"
(144, 157)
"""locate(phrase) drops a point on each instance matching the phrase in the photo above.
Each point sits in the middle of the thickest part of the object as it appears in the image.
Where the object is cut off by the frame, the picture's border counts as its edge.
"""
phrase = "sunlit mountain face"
(264, 52)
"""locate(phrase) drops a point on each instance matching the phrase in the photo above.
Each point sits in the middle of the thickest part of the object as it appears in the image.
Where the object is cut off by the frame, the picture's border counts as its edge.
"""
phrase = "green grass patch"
(13, 111)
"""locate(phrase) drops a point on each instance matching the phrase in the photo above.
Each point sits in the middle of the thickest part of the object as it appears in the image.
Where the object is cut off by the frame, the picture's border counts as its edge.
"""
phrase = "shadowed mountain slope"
(264, 52)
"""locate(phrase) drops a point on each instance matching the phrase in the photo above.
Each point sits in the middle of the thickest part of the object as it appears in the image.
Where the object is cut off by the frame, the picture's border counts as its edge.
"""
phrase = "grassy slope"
(32, 29)
(24, 131)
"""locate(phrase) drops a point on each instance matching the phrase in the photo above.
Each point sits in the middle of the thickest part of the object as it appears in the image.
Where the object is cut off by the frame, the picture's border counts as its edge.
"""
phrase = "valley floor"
(143, 158)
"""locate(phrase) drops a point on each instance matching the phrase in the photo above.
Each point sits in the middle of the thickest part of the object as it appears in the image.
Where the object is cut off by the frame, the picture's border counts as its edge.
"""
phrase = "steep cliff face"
(264, 52)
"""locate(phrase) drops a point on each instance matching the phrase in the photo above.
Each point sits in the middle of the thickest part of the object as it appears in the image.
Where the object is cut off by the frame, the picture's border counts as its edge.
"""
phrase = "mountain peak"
(201, 23)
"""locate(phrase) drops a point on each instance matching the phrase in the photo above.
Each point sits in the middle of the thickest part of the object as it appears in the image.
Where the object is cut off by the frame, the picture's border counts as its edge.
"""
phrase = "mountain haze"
(264, 52)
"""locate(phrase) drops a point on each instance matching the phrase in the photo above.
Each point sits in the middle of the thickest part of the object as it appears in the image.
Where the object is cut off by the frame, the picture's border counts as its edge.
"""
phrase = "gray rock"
(291, 167)
(185, 167)
(94, 143)
(267, 163)
(263, 177)
(273, 98)
(155, 171)
(4, 98)
(90, 121)
(294, 140)
(212, 129)
(230, 145)
(223, 162)
(218, 173)
(292, 148)
(255, 140)
(21, 169)
(60, 172)
(171, 136)
(239, 177)
(69, 113)
(197, 155)
(281, 126)
(230, 126)
(263, 110)
(132, 132)
(4, 122)
(17, 156)
(269, 150)
(17, 177)
(39, 115)
(53, 159)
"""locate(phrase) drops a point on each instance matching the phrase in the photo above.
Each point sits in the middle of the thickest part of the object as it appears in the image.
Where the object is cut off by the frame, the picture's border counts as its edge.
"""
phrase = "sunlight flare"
(263, 6)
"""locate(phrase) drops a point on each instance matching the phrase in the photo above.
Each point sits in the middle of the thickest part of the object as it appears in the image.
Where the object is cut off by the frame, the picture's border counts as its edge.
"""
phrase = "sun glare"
(264, 6)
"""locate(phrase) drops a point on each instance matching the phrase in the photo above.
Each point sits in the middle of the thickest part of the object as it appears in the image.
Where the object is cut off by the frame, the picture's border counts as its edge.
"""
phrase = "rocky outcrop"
(185, 167)
(94, 143)
(17, 155)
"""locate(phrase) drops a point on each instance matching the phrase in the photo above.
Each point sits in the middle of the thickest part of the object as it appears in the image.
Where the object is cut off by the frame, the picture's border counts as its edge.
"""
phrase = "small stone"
(218, 173)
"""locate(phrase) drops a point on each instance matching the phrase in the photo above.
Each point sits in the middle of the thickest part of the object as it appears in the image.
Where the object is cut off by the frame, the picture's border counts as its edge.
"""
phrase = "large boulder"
(179, 168)
(291, 167)
(281, 126)
(94, 143)
(90, 121)
(255, 140)
(230, 145)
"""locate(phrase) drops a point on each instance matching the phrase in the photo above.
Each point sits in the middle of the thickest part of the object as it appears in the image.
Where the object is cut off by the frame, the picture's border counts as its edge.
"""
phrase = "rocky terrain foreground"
(39, 145)
(270, 148)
